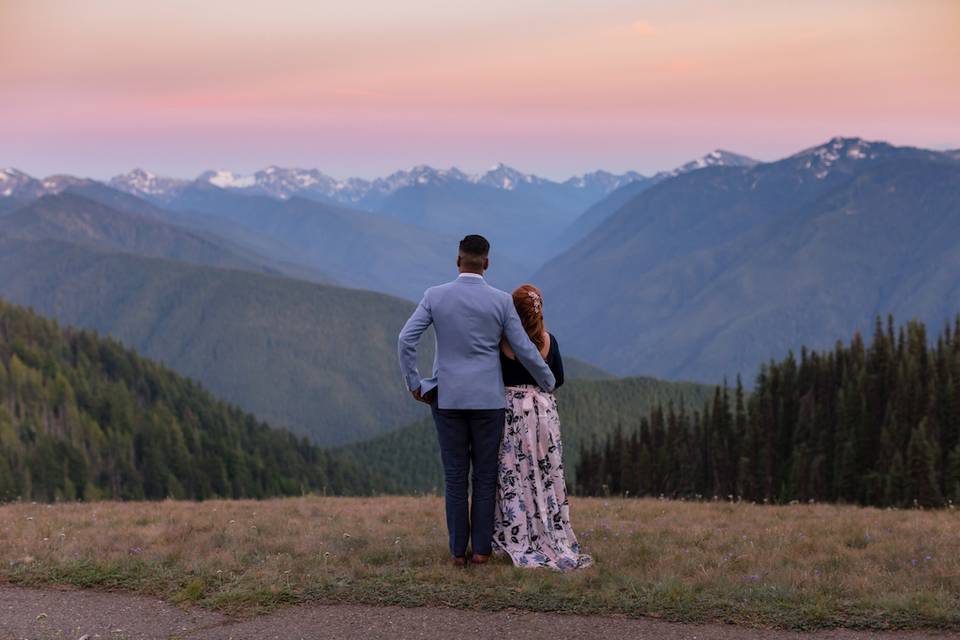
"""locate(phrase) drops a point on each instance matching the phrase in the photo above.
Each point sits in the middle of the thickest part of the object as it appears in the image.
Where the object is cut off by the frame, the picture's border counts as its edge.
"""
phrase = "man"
(466, 393)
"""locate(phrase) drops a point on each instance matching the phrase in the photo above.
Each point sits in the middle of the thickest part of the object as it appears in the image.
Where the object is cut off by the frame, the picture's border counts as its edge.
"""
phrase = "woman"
(532, 519)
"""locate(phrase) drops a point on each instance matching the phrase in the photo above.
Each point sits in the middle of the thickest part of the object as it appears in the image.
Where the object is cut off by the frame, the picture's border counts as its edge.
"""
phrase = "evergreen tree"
(923, 487)
(83, 418)
(870, 424)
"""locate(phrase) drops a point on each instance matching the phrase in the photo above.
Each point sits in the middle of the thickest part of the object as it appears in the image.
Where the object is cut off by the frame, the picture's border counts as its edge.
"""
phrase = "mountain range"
(71, 217)
(395, 234)
(624, 193)
(715, 271)
(503, 204)
(283, 183)
(695, 273)
(315, 358)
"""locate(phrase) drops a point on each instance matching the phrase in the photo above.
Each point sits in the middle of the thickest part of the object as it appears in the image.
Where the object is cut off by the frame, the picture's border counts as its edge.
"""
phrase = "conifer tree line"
(81, 417)
(872, 425)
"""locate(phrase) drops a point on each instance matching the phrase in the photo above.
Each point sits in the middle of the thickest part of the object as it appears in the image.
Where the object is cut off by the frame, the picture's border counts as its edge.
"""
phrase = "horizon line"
(423, 165)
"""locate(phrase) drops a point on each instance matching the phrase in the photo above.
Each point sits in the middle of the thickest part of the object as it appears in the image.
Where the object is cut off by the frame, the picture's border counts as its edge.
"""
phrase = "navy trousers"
(470, 436)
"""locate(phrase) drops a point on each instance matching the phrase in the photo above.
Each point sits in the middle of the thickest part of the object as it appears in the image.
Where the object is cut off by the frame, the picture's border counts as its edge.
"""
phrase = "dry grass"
(800, 567)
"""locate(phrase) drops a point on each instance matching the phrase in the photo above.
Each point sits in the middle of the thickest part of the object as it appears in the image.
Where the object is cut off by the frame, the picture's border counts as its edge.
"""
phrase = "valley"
(283, 291)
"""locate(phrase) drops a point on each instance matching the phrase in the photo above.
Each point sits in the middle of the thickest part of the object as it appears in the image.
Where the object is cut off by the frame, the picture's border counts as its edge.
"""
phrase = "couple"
(487, 339)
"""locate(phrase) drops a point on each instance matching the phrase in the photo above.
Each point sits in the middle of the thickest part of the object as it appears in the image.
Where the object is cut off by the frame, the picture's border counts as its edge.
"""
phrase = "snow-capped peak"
(10, 174)
(501, 176)
(716, 158)
(603, 181)
(14, 182)
(59, 183)
(140, 182)
(822, 159)
(283, 183)
(228, 179)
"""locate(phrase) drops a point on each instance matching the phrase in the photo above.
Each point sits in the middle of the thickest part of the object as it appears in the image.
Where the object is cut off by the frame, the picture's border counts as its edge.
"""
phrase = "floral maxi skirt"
(532, 517)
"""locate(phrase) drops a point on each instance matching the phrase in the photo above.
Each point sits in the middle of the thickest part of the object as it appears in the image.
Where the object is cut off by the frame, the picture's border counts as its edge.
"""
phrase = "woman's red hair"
(529, 303)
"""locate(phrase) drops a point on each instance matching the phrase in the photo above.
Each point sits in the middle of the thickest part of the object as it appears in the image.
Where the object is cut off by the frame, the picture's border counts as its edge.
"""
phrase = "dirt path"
(45, 614)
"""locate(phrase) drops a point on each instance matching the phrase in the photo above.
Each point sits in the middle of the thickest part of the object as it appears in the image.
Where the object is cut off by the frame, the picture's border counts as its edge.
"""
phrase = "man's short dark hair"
(475, 246)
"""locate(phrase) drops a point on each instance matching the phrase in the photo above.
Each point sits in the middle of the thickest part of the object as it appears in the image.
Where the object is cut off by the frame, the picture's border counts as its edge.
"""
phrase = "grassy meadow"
(798, 567)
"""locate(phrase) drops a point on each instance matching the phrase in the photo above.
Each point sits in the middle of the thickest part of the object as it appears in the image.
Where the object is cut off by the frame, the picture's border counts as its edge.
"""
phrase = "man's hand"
(425, 398)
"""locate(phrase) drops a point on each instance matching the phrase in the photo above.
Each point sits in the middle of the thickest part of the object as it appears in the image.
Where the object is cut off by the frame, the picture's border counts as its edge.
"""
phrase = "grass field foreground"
(799, 567)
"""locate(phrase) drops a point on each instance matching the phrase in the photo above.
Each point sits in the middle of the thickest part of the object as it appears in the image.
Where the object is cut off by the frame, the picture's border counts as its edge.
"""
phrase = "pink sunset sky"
(557, 87)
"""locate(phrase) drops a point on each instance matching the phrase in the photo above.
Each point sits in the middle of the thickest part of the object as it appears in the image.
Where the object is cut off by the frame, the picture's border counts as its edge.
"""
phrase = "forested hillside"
(319, 360)
(408, 461)
(83, 418)
(877, 424)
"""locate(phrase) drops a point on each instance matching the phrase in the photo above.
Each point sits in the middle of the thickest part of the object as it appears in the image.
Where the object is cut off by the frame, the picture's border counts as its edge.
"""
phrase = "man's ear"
(486, 263)
(458, 262)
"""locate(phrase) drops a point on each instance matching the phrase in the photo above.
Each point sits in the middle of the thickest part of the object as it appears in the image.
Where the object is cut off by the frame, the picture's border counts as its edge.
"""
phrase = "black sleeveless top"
(515, 374)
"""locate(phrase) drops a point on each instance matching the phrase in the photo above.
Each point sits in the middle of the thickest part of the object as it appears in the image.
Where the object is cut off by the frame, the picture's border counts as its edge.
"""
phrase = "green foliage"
(316, 359)
(83, 418)
(876, 425)
(408, 460)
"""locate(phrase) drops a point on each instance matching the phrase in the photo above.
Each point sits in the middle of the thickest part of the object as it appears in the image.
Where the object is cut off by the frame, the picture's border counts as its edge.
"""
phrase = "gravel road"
(70, 614)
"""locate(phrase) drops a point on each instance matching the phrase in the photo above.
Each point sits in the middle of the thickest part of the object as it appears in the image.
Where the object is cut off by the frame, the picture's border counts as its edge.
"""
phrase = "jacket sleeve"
(557, 366)
(526, 352)
(409, 339)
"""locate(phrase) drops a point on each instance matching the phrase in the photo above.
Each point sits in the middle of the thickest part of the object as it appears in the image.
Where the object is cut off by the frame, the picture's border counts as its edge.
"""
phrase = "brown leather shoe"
(458, 561)
(479, 558)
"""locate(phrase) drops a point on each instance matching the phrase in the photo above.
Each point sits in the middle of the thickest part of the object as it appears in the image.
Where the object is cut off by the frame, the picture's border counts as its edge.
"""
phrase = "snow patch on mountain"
(18, 184)
(146, 184)
(284, 183)
(501, 176)
(228, 180)
(716, 158)
(821, 160)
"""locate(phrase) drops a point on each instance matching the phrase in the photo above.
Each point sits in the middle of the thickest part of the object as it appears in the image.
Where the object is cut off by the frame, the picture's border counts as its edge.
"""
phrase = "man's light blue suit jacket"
(469, 317)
